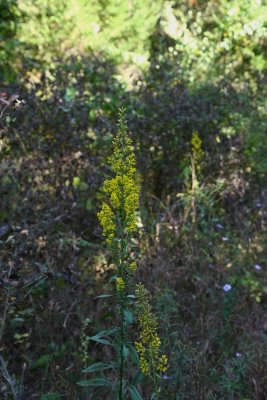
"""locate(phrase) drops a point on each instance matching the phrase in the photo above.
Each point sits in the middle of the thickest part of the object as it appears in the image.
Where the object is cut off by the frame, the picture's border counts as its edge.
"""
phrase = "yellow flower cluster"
(120, 284)
(106, 218)
(133, 267)
(148, 347)
(162, 366)
(123, 158)
(123, 189)
(144, 366)
(124, 198)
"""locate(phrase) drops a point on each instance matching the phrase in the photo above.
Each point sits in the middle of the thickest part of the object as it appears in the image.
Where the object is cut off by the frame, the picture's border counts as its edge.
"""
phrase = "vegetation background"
(192, 77)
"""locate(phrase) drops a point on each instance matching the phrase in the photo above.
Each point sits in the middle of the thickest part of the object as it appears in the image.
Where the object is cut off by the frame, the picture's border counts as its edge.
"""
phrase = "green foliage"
(219, 40)
(8, 43)
(120, 29)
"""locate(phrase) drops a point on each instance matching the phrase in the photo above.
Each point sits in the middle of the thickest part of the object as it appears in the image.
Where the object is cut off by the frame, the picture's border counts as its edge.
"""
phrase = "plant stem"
(122, 334)
(121, 299)
(122, 255)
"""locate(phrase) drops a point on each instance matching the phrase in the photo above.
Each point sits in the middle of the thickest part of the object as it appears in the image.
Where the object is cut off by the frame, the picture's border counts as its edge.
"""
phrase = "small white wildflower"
(238, 355)
(224, 238)
(227, 287)
(257, 267)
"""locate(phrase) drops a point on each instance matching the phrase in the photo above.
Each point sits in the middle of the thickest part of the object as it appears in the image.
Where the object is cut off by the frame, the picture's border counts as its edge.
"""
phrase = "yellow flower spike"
(123, 189)
(144, 367)
(133, 267)
(120, 284)
(162, 366)
(106, 218)
(155, 342)
(148, 348)
(140, 348)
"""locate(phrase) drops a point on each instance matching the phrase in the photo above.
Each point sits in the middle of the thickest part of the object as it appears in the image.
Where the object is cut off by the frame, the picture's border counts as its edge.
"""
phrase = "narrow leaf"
(138, 378)
(134, 393)
(133, 354)
(106, 332)
(100, 340)
(103, 296)
(97, 382)
(99, 366)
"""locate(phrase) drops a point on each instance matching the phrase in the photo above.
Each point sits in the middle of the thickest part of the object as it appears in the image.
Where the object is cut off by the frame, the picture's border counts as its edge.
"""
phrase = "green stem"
(122, 335)
(123, 245)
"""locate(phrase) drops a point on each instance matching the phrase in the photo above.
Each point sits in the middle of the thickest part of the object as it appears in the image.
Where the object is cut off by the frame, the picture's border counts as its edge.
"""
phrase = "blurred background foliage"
(192, 76)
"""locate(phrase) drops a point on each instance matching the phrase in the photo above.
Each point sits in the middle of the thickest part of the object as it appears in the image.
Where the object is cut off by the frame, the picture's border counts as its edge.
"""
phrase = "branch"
(8, 378)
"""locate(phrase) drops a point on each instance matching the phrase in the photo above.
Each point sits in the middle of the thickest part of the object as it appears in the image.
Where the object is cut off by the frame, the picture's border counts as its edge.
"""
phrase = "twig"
(8, 378)
(5, 311)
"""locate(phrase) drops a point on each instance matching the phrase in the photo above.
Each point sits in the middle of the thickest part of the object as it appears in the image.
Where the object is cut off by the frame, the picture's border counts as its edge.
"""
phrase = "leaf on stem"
(97, 382)
(107, 332)
(99, 366)
(134, 393)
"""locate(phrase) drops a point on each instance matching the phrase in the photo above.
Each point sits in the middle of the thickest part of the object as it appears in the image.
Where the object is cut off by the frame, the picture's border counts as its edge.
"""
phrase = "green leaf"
(100, 340)
(134, 393)
(103, 296)
(125, 352)
(99, 366)
(128, 316)
(138, 378)
(97, 382)
(133, 354)
(106, 332)
(43, 360)
(70, 93)
(106, 315)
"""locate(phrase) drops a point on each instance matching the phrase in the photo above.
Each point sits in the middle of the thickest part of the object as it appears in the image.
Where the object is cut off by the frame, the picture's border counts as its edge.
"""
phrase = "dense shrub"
(8, 28)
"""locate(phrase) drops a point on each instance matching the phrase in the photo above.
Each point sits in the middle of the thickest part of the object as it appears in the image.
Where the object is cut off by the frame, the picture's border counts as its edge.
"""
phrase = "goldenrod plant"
(196, 157)
(152, 363)
(192, 179)
(118, 218)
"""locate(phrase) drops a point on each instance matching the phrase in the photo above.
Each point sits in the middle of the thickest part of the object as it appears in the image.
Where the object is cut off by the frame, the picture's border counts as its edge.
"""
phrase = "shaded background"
(192, 77)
